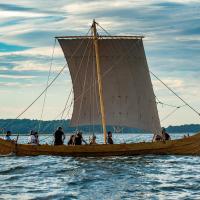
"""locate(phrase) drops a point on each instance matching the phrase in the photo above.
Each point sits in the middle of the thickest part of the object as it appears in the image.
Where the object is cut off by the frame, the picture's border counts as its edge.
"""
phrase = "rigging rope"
(165, 104)
(84, 83)
(70, 106)
(158, 101)
(57, 116)
(45, 95)
(103, 29)
(168, 115)
(75, 79)
(176, 94)
(185, 103)
(65, 107)
(48, 84)
(42, 92)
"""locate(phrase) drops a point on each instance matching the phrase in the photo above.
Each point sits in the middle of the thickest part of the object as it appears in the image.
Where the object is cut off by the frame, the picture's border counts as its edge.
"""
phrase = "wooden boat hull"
(186, 146)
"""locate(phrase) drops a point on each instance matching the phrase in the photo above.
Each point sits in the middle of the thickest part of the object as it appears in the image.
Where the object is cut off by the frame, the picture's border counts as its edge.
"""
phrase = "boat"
(184, 146)
(112, 86)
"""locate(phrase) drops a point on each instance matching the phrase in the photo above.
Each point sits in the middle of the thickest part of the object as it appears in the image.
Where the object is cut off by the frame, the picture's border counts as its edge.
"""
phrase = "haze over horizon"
(172, 45)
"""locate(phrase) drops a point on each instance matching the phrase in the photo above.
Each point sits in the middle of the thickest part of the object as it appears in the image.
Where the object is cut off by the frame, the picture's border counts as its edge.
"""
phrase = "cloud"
(10, 48)
(3, 68)
(171, 28)
(173, 83)
(16, 76)
(11, 14)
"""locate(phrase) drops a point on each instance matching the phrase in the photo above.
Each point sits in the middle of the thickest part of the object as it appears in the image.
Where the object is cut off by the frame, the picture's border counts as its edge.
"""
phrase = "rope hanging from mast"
(47, 87)
(168, 115)
(45, 95)
(76, 75)
(169, 105)
(159, 102)
(166, 104)
(84, 83)
(176, 94)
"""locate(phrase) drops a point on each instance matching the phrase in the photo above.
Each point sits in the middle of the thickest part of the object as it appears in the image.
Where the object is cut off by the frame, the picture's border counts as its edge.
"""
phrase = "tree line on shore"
(24, 126)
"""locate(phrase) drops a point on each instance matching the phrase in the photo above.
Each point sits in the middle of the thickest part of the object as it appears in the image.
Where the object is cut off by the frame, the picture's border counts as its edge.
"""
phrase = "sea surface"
(133, 177)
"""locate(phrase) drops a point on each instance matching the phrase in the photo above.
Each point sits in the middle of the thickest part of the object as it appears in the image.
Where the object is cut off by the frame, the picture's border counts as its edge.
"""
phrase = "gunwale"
(184, 146)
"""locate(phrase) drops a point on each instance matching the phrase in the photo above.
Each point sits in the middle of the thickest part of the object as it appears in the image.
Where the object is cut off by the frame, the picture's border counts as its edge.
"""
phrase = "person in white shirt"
(33, 138)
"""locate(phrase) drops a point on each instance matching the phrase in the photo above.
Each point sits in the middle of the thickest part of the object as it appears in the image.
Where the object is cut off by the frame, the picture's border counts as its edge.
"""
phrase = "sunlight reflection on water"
(135, 177)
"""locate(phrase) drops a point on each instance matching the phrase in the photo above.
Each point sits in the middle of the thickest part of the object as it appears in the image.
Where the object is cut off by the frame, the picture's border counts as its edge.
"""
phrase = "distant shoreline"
(24, 126)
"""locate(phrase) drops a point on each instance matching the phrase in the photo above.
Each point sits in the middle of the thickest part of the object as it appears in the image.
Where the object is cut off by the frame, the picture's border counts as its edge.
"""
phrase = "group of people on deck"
(59, 138)
(163, 137)
(77, 139)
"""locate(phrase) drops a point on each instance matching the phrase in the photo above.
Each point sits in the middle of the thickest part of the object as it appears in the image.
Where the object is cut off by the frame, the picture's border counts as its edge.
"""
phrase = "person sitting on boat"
(7, 136)
(33, 138)
(109, 139)
(157, 138)
(37, 138)
(93, 139)
(59, 136)
(79, 139)
(165, 135)
(71, 140)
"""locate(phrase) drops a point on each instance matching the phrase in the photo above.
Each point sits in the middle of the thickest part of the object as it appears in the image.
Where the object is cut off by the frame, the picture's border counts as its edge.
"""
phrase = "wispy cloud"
(16, 77)
(11, 14)
(171, 29)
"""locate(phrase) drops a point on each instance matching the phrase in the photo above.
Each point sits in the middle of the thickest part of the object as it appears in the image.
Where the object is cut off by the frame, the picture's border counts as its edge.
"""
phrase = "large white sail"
(127, 89)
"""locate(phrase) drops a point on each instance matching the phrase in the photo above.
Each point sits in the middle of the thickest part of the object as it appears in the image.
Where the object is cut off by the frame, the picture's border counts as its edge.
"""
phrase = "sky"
(28, 27)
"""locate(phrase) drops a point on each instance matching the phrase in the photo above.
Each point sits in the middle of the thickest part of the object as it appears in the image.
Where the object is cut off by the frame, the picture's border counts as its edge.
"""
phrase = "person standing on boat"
(165, 135)
(109, 139)
(59, 136)
(7, 136)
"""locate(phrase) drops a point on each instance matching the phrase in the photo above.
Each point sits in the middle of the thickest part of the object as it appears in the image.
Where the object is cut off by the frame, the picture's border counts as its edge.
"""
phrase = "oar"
(17, 138)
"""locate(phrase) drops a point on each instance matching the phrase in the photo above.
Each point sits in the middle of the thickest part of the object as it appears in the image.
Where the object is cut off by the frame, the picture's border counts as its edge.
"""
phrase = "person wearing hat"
(7, 136)
(109, 138)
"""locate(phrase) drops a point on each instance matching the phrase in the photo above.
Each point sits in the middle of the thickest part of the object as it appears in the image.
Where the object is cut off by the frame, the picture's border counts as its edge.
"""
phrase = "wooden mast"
(102, 108)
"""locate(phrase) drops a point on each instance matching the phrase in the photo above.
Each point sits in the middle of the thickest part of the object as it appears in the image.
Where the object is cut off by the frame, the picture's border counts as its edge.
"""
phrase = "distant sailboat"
(112, 86)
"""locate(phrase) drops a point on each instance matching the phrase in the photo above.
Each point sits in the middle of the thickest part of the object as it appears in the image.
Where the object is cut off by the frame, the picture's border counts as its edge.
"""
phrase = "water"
(135, 177)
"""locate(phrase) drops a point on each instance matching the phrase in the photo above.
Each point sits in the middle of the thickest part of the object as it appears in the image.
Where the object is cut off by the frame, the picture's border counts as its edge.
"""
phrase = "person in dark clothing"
(71, 140)
(165, 135)
(109, 139)
(59, 137)
(157, 138)
(7, 136)
(79, 139)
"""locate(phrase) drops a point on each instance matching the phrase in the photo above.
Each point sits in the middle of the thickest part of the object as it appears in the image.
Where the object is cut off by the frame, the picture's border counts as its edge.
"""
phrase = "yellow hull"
(186, 146)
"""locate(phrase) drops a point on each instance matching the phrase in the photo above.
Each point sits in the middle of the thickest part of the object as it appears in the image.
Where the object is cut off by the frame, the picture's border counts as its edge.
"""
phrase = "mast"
(102, 108)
